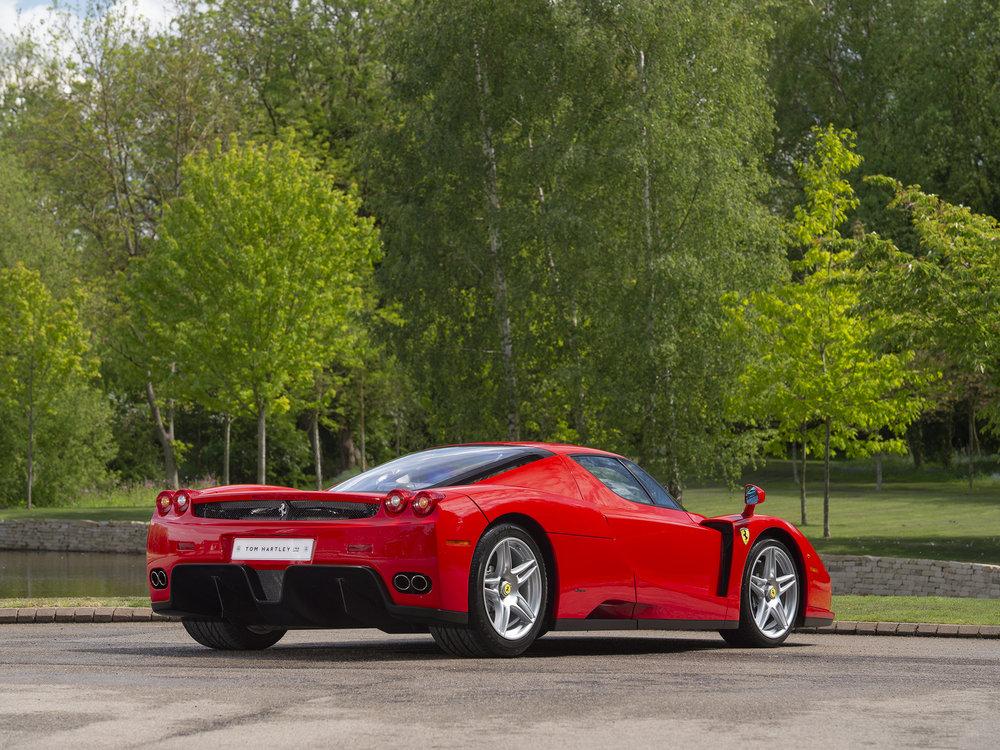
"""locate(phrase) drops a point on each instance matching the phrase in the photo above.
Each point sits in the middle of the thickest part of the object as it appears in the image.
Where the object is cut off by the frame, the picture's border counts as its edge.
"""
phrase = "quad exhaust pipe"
(412, 583)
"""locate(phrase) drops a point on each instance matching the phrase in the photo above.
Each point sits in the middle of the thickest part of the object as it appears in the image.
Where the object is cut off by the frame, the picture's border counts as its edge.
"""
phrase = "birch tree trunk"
(649, 427)
(802, 486)
(361, 425)
(972, 442)
(317, 449)
(226, 434)
(261, 443)
(826, 481)
(164, 436)
(795, 461)
(500, 291)
(31, 436)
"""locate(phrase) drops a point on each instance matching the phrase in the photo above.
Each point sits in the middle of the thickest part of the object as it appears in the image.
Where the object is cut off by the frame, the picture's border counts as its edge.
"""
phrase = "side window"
(660, 496)
(615, 477)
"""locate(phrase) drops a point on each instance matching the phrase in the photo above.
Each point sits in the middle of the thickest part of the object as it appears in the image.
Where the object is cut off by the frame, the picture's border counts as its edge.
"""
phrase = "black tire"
(479, 639)
(748, 634)
(228, 636)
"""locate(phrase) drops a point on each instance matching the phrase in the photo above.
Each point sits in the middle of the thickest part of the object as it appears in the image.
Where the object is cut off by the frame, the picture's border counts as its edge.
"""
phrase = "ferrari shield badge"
(745, 535)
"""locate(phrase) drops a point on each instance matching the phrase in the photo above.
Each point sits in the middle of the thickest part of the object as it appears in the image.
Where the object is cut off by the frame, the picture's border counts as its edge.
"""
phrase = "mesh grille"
(294, 510)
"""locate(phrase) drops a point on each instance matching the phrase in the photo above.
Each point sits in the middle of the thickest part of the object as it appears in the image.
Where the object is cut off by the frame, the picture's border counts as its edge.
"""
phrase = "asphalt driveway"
(132, 684)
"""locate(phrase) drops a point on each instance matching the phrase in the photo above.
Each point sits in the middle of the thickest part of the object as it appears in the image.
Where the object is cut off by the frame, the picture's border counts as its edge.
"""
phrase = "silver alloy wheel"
(512, 588)
(774, 592)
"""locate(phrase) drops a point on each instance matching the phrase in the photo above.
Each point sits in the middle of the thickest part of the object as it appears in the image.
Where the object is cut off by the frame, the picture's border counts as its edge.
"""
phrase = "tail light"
(181, 502)
(424, 502)
(163, 502)
(395, 502)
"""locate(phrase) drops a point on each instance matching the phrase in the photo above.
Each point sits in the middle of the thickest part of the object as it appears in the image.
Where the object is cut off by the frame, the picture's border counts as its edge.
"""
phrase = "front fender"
(739, 536)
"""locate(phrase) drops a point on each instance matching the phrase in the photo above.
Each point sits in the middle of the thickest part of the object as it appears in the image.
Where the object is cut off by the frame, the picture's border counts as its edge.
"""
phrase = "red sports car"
(487, 546)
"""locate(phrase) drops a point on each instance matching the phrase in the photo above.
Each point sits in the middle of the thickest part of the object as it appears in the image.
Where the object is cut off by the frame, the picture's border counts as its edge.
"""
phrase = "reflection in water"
(24, 574)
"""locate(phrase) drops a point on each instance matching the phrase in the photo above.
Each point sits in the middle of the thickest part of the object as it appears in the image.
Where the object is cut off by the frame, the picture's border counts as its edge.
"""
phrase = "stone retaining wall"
(886, 576)
(895, 576)
(73, 536)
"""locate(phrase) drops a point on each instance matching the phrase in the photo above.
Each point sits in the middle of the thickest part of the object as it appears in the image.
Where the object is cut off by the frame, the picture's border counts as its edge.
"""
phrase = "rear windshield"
(441, 467)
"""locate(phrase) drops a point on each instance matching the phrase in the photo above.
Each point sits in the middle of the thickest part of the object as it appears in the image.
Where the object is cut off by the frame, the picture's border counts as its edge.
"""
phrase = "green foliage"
(258, 280)
(53, 422)
(916, 81)
(945, 292)
(829, 196)
(567, 191)
(28, 233)
(104, 111)
(313, 66)
(818, 372)
(565, 198)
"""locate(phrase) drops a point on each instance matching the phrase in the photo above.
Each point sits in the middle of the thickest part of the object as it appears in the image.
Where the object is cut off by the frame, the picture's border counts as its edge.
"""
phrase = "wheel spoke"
(760, 616)
(771, 572)
(492, 595)
(522, 609)
(757, 584)
(785, 583)
(501, 618)
(524, 571)
(503, 558)
(779, 614)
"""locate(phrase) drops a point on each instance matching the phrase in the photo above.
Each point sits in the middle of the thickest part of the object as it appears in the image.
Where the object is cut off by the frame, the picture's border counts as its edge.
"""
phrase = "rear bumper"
(439, 546)
(300, 596)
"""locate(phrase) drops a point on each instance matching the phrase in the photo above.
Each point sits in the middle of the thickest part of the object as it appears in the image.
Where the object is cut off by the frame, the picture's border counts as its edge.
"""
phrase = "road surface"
(133, 684)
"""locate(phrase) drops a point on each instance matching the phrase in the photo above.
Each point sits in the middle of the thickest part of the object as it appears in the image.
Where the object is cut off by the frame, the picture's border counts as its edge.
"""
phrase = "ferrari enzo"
(487, 547)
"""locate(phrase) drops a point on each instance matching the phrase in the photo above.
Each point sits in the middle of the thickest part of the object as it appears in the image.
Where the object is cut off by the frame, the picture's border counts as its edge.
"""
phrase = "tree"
(103, 111)
(258, 278)
(47, 404)
(566, 189)
(313, 65)
(817, 365)
(676, 174)
(914, 80)
(944, 290)
(28, 232)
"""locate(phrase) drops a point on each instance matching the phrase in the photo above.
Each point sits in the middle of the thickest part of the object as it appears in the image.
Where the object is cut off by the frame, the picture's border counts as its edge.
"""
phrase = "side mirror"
(752, 496)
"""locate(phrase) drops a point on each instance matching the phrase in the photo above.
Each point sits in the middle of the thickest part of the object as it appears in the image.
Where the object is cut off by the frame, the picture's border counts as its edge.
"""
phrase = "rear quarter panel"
(590, 574)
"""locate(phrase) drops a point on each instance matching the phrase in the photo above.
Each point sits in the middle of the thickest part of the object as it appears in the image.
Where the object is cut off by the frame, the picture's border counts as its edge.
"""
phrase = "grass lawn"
(120, 504)
(81, 514)
(940, 609)
(930, 516)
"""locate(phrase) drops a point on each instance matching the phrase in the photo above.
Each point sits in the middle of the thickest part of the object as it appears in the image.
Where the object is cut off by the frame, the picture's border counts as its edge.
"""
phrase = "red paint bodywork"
(615, 561)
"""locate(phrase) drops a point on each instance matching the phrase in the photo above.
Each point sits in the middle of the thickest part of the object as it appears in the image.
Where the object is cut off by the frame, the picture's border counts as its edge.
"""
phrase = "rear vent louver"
(285, 510)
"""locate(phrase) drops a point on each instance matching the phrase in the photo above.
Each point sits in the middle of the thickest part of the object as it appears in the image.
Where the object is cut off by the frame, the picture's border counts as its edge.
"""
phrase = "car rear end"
(281, 557)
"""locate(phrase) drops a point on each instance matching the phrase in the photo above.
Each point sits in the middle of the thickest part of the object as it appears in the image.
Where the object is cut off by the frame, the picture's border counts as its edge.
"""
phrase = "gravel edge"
(43, 615)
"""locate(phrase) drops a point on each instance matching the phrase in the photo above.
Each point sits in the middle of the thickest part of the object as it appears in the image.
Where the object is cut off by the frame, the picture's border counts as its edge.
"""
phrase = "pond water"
(24, 574)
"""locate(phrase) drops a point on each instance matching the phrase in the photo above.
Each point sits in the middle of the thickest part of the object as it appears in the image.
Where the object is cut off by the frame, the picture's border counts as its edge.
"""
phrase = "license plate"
(273, 549)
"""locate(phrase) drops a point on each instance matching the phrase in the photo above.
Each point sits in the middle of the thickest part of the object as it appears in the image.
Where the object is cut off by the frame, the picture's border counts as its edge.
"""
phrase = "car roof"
(563, 449)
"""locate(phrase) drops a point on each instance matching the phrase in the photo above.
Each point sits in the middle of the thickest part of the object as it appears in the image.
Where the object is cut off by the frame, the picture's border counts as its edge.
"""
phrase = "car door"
(675, 560)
